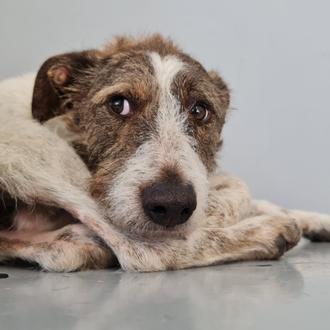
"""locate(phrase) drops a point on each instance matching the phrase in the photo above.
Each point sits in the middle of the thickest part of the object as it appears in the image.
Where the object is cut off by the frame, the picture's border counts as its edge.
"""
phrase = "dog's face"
(150, 118)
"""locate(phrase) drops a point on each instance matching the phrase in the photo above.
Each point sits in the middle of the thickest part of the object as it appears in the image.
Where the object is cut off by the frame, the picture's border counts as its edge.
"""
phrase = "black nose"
(169, 203)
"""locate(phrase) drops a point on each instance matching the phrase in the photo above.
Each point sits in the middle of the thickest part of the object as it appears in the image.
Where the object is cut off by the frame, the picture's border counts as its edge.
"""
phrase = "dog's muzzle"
(169, 203)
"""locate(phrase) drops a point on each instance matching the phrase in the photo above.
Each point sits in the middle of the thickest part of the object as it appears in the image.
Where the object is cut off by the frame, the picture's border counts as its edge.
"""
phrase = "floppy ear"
(222, 87)
(57, 83)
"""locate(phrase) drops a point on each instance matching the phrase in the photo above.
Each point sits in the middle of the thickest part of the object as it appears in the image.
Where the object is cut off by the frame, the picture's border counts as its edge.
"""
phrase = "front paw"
(285, 234)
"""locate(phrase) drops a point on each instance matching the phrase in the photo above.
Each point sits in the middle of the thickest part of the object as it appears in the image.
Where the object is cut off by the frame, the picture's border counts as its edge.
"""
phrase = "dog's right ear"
(55, 87)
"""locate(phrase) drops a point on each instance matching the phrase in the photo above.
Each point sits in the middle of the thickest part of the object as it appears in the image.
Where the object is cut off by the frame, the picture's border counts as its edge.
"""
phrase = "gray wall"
(274, 54)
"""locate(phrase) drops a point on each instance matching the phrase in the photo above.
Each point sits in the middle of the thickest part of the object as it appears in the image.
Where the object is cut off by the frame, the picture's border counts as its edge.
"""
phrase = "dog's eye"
(120, 105)
(200, 112)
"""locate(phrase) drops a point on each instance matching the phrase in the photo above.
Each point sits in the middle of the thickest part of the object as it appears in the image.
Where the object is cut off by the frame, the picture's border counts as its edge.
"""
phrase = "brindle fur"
(70, 96)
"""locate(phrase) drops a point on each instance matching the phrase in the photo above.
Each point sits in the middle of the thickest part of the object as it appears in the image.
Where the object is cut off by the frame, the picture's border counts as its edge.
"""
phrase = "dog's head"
(150, 118)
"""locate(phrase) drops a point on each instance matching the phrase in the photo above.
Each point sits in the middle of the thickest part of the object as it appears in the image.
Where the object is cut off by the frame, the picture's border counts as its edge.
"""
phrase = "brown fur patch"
(124, 68)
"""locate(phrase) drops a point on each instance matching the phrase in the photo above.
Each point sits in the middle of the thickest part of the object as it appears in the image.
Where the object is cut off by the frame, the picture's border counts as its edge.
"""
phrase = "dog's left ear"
(57, 80)
(222, 88)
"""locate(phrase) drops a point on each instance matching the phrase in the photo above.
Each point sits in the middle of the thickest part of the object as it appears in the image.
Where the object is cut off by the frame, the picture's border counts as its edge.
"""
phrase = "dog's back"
(16, 96)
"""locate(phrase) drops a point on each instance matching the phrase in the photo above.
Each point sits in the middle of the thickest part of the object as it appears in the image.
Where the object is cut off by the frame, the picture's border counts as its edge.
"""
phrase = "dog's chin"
(144, 229)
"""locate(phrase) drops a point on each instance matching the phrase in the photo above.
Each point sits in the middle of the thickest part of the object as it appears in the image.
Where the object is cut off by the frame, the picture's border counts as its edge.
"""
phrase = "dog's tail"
(314, 226)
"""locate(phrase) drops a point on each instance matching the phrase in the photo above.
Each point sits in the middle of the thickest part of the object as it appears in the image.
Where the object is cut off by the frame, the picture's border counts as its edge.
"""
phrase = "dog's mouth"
(150, 231)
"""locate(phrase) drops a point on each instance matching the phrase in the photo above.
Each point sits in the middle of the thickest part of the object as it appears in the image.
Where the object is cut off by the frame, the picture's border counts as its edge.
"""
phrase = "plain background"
(275, 55)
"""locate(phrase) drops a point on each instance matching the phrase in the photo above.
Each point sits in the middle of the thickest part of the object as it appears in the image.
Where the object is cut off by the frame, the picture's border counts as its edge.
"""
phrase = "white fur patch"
(166, 69)
(168, 146)
(16, 96)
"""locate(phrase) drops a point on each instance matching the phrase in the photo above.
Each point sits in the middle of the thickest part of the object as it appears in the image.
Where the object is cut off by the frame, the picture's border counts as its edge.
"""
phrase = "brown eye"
(120, 105)
(199, 112)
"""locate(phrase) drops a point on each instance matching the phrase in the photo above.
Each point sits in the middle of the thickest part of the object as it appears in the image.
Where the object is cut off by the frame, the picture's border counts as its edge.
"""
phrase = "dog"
(133, 130)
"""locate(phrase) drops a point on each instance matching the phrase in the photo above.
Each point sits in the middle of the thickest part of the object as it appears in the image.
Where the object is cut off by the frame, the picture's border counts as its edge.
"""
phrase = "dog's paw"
(284, 234)
(321, 235)
(317, 227)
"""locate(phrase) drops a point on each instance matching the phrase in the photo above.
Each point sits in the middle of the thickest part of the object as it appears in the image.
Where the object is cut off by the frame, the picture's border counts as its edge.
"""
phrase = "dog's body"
(146, 119)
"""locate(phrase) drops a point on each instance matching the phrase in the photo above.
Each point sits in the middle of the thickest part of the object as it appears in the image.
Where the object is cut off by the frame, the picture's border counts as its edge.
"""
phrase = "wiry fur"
(36, 167)
(168, 147)
(57, 223)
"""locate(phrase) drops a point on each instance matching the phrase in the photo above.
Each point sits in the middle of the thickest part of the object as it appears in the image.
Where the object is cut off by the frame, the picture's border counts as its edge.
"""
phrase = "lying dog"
(146, 121)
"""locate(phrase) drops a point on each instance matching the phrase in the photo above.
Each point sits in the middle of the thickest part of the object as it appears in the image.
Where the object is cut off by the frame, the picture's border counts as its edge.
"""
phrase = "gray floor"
(287, 294)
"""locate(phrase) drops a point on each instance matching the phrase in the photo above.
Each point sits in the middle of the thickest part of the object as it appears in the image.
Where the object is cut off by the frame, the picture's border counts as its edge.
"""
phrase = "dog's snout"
(169, 203)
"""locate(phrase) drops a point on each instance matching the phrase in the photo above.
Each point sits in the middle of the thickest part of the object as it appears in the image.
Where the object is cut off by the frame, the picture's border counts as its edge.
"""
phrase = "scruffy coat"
(56, 223)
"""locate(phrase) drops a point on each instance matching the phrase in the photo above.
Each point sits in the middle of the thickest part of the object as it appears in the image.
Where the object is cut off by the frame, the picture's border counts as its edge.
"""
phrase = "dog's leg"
(265, 237)
(315, 226)
(229, 201)
(70, 248)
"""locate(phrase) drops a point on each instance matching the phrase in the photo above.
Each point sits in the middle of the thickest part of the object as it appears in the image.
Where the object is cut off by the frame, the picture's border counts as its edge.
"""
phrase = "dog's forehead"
(149, 66)
(165, 69)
